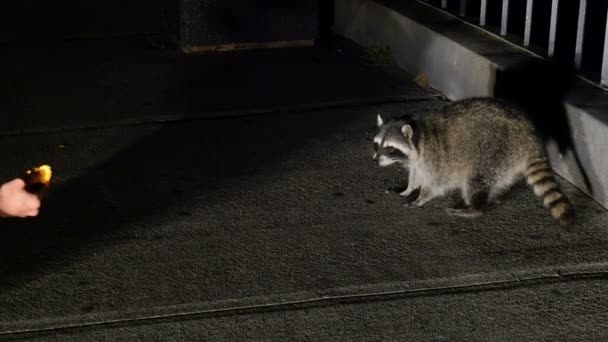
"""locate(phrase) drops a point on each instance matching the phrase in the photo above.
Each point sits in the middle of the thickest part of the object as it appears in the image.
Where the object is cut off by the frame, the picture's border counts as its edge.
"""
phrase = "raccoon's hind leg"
(459, 203)
(475, 195)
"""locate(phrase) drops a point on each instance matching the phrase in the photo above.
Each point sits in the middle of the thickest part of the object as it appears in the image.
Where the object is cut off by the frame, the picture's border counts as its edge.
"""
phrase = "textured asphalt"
(278, 226)
(77, 84)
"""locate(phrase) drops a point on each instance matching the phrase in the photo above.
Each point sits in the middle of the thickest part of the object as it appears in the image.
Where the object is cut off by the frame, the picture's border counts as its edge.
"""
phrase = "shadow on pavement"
(178, 164)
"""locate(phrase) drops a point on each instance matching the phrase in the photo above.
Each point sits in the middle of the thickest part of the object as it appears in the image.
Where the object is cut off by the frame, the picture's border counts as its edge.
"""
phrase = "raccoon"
(478, 146)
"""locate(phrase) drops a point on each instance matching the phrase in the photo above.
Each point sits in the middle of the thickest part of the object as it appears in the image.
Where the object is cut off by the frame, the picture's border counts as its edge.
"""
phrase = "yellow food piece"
(41, 174)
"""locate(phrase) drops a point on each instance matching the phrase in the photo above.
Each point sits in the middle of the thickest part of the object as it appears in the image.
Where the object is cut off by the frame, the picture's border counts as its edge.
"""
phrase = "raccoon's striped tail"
(541, 178)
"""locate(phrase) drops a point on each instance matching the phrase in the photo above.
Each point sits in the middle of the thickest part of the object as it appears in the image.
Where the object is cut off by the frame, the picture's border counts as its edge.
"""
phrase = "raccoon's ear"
(407, 131)
(379, 120)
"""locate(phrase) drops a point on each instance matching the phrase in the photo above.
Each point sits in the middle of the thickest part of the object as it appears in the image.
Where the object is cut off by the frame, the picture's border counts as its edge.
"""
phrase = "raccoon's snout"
(375, 159)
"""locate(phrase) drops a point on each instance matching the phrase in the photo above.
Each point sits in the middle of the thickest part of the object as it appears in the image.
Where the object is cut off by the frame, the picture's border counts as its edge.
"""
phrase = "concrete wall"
(416, 48)
(211, 22)
(463, 61)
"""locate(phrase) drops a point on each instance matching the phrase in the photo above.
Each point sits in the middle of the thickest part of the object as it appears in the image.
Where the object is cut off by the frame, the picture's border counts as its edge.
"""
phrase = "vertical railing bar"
(528, 29)
(463, 8)
(505, 17)
(604, 81)
(482, 13)
(444, 4)
(553, 28)
(580, 33)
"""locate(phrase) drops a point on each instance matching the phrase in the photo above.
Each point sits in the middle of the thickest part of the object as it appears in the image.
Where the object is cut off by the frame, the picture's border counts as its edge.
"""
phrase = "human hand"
(16, 202)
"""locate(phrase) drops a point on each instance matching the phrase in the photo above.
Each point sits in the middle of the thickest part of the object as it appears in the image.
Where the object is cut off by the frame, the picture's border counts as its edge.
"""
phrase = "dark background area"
(76, 19)
(210, 22)
(200, 22)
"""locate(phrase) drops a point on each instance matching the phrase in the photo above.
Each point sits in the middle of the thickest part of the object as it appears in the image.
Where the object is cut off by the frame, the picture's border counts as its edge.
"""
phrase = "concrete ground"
(233, 197)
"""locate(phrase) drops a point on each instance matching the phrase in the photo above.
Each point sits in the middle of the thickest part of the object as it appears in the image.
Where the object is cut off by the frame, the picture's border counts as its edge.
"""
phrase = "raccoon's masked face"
(393, 143)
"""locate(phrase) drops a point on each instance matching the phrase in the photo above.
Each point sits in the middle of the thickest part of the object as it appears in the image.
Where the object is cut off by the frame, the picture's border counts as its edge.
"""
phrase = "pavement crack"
(316, 300)
(224, 114)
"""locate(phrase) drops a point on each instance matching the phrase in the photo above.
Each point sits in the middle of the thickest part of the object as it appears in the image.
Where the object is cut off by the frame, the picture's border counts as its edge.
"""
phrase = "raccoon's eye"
(391, 149)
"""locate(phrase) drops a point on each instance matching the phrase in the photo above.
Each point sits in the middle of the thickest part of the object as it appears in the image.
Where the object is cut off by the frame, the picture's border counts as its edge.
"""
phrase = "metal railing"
(554, 28)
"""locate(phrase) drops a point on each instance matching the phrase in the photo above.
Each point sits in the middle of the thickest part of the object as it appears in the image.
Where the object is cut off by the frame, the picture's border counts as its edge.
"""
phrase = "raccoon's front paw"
(418, 204)
(464, 212)
(415, 204)
(411, 195)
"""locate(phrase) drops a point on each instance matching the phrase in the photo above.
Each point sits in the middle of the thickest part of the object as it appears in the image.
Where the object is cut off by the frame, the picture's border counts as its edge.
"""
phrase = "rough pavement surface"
(92, 83)
(280, 227)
